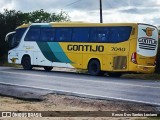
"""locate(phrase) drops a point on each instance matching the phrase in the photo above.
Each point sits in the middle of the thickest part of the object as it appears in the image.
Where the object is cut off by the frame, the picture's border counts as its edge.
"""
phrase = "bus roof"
(23, 26)
(77, 24)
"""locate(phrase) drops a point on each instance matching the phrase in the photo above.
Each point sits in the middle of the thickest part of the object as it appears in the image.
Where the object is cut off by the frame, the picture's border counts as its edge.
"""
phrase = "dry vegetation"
(70, 103)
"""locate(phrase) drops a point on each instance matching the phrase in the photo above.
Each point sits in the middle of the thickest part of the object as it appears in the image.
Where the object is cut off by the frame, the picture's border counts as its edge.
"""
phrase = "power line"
(100, 2)
(70, 4)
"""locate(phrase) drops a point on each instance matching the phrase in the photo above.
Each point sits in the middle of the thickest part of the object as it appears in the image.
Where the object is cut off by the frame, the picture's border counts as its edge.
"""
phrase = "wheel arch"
(26, 55)
(95, 59)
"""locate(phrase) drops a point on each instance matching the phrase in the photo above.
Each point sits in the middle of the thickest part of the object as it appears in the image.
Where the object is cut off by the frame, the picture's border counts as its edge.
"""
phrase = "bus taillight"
(134, 57)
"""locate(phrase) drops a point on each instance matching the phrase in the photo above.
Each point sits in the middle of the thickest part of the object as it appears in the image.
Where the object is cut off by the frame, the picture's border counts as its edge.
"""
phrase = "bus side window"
(63, 34)
(103, 34)
(100, 34)
(120, 34)
(93, 35)
(101, 37)
(80, 34)
(33, 34)
(47, 34)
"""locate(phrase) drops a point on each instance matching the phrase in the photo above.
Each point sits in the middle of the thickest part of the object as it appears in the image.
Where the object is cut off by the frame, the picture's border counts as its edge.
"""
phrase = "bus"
(115, 48)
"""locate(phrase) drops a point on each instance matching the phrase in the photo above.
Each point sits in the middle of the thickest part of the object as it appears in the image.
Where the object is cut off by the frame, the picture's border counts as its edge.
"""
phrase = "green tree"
(40, 16)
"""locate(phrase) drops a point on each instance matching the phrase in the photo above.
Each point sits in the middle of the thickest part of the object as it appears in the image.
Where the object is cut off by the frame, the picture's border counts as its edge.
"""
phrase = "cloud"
(6, 4)
(146, 11)
(31, 5)
(139, 10)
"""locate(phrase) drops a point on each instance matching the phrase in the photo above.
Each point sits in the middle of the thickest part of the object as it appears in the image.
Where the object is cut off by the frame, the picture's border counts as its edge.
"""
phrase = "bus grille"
(120, 62)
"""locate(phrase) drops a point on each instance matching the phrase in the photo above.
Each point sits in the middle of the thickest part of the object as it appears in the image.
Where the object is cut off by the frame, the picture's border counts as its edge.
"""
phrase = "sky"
(114, 11)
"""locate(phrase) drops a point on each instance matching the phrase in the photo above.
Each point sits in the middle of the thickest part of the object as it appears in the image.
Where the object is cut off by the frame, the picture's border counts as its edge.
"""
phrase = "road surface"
(134, 90)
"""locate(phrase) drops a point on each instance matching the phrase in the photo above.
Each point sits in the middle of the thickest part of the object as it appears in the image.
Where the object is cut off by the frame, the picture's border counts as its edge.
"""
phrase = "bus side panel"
(13, 57)
(30, 49)
(76, 59)
(133, 45)
(52, 54)
(79, 55)
(133, 48)
(115, 57)
(107, 64)
(88, 57)
(42, 61)
(72, 58)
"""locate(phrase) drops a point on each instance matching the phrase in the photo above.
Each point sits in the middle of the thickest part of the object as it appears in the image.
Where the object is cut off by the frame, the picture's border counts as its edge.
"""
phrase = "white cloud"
(145, 11)
(8, 4)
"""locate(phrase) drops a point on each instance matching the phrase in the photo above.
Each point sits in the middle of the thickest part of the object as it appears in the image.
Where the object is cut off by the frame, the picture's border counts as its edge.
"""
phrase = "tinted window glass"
(100, 34)
(19, 34)
(93, 35)
(14, 39)
(11, 41)
(63, 34)
(80, 34)
(47, 34)
(33, 34)
(119, 34)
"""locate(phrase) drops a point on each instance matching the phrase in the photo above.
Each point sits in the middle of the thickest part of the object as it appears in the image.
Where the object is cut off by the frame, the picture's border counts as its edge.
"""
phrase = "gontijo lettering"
(97, 48)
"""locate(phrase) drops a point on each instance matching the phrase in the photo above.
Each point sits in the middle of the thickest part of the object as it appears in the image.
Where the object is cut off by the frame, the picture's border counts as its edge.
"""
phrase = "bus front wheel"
(26, 63)
(48, 68)
(94, 67)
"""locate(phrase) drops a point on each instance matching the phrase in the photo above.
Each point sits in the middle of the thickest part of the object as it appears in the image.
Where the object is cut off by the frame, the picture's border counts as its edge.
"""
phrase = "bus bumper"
(145, 69)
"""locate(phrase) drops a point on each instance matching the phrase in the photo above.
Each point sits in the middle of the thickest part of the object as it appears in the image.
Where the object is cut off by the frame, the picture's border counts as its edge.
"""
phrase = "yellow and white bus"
(96, 47)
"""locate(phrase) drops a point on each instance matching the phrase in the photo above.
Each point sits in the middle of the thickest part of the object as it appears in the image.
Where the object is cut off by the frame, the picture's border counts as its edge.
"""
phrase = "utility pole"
(101, 16)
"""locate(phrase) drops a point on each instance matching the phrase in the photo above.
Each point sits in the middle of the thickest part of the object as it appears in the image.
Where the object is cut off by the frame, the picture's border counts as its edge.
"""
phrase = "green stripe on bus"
(58, 52)
(47, 52)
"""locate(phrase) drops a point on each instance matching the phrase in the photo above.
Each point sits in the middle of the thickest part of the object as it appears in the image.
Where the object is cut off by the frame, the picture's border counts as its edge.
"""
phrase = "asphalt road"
(142, 91)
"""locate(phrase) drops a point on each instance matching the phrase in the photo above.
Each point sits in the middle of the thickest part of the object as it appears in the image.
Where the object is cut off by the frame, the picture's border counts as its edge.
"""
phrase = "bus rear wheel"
(48, 68)
(94, 68)
(26, 63)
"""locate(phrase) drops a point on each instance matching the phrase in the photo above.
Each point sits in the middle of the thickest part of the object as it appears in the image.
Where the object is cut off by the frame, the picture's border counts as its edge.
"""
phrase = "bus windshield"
(13, 38)
(10, 39)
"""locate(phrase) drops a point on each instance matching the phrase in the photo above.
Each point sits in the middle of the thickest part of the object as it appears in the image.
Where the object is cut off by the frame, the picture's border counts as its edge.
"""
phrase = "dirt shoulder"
(54, 102)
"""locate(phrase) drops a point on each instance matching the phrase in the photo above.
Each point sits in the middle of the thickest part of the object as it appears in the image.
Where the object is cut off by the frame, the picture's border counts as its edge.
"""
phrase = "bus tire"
(26, 63)
(94, 68)
(114, 74)
(48, 68)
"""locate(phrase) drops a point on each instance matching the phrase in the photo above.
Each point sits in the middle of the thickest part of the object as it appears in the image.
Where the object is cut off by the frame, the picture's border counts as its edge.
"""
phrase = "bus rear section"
(146, 50)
